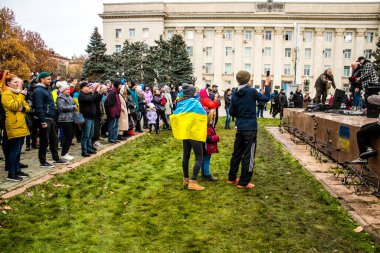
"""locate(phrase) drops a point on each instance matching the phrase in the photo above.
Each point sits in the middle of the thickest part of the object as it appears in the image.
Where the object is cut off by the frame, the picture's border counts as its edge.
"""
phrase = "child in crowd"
(151, 116)
(210, 146)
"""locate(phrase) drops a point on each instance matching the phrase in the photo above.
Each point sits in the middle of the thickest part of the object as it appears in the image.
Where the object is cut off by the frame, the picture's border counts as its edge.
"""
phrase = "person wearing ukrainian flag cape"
(189, 124)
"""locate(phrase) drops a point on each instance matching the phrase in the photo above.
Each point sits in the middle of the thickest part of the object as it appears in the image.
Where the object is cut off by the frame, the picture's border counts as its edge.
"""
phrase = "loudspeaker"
(372, 110)
(338, 99)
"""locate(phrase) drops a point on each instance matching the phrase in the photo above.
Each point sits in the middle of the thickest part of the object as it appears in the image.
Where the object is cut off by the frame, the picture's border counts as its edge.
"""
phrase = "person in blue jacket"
(243, 107)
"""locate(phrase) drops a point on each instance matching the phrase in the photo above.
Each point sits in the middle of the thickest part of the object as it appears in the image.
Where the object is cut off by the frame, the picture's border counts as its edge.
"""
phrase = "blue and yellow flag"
(189, 121)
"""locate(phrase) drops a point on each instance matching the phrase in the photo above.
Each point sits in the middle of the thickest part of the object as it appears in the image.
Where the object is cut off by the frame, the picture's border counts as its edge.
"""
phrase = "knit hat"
(188, 90)
(62, 86)
(243, 77)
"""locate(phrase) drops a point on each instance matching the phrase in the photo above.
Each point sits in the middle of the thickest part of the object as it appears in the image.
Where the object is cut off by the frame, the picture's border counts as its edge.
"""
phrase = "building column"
(359, 43)
(198, 54)
(238, 55)
(180, 31)
(317, 54)
(338, 57)
(258, 55)
(218, 56)
(279, 54)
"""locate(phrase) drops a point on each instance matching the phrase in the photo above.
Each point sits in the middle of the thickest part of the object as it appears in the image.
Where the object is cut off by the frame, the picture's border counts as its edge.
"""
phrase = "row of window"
(132, 33)
(267, 67)
(288, 52)
(308, 35)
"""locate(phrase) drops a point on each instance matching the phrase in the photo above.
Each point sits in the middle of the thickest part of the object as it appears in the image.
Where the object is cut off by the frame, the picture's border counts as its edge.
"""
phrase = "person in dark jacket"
(322, 84)
(282, 103)
(160, 102)
(214, 96)
(354, 84)
(44, 109)
(227, 102)
(113, 106)
(87, 106)
(298, 98)
(273, 99)
(368, 74)
(245, 140)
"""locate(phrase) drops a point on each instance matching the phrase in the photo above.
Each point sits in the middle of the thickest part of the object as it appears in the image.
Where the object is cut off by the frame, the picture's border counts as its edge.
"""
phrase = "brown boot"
(185, 181)
(193, 185)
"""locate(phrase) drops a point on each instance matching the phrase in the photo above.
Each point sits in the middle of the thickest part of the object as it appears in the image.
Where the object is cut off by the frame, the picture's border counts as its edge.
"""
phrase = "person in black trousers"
(45, 111)
(245, 139)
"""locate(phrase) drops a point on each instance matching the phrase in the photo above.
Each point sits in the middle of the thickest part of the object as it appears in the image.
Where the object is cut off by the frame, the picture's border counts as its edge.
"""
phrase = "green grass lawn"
(132, 200)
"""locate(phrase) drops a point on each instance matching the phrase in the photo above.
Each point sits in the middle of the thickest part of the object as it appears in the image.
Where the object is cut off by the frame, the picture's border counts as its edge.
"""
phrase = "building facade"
(292, 42)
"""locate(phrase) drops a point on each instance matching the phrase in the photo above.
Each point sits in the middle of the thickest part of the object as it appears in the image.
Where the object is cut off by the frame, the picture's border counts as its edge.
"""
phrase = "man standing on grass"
(243, 107)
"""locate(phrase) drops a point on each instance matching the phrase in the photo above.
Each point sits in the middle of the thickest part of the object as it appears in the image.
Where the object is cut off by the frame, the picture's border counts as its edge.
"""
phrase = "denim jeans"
(228, 118)
(260, 111)
(13, 155)
(87, 133)
(113, 129)
(206, 165)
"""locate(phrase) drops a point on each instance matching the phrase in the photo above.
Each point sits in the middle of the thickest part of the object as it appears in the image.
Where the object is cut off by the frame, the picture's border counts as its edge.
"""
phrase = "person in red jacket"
(210, 147)
(206, 102)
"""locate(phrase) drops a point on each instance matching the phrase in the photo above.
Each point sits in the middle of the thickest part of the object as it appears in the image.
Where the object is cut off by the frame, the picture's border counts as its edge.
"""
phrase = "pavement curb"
(375, 233)
(56, 171)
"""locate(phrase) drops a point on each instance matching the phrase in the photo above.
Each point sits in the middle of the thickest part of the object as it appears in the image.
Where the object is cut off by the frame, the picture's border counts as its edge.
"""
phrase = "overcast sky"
(66, 25)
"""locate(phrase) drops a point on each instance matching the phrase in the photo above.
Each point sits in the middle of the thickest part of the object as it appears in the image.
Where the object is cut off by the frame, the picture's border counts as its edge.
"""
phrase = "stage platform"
(334, 134)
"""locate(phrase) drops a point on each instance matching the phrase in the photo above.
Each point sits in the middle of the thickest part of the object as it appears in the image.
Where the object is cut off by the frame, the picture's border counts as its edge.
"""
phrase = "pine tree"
(376, 55)
(133, 55)
(97, 63)
(161, 61)
(181, 68)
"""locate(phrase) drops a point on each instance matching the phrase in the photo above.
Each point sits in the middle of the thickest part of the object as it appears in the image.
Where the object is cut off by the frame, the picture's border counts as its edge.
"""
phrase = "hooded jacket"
(243, 107)
(44, 106)
(206, 102)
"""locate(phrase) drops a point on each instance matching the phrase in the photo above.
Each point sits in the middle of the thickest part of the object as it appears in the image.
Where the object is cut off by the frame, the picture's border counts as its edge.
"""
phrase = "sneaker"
(359, 161)
(86, 155)
(23, 166)
(91, 152)
(248, 186)
(131, 132)
(22, 174)
(46, 165)
(68, 157)
(193, 185)
(369, 153)
(234, 181)
(94, 149)
(98, 144)
(13, 178)
(61, 161)
(209, 178)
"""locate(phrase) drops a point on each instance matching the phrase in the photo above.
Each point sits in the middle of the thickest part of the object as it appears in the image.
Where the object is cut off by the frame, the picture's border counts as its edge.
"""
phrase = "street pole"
(296, 50)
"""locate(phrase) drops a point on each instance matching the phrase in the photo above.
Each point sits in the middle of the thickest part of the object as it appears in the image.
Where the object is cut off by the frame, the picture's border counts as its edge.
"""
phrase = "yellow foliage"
(18, 67)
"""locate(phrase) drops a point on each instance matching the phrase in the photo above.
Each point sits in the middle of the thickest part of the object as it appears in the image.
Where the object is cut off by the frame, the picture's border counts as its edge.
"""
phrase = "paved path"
(39, 175)
(364, 209)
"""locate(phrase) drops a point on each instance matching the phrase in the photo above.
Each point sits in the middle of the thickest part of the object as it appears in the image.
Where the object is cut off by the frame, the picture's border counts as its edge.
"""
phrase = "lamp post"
(296, 50)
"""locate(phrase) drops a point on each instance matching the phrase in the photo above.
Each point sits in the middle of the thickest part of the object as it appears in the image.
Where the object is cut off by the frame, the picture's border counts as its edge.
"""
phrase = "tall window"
(267, 51)
(248, 67)
(268, 35)
(117, 48)
(328, 36)
(145, 32)
(368, 53)
(308, 36)
(208, 51)
(347, 53)
(306, 70)
(132, 33)
(228, 34)
(190, 35)
(288, 35)
(228, 68)
(327, 53)
(209, 34)
(170, 34)
(348, 37)
(287, 69)
(190, 51)
(228, 51)
(117, 33)
(248, 35)
(369, 37)
(288, 52)
(247, 51)
(346, 71)
(266, 68)
(208, 68)
(307, 53)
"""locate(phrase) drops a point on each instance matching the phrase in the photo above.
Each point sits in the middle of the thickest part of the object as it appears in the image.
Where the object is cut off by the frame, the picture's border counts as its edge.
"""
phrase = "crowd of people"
(47, 114)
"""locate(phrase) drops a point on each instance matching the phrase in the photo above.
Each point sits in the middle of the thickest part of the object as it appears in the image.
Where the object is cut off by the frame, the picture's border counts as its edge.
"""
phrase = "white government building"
(296, 42)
